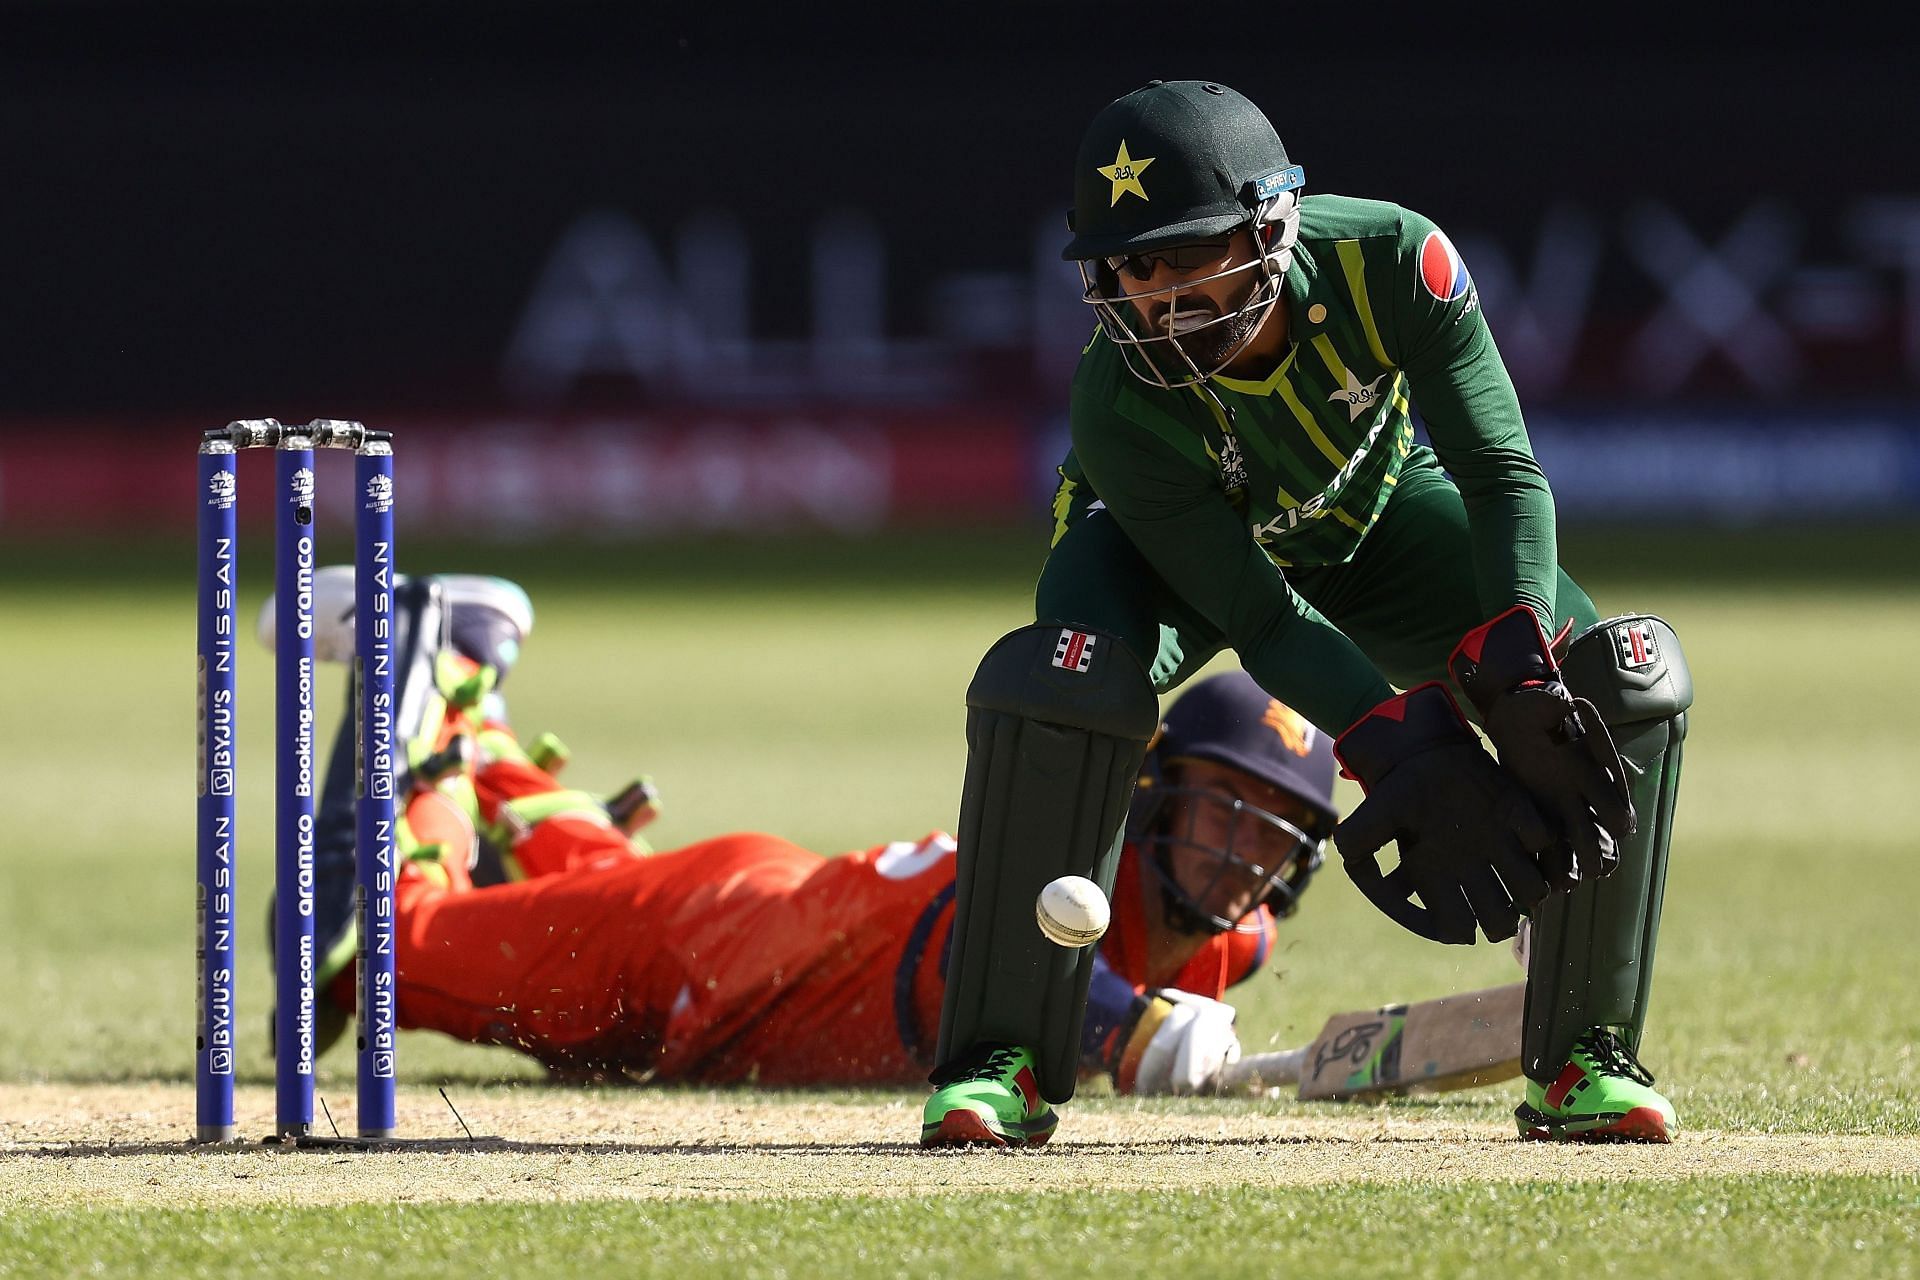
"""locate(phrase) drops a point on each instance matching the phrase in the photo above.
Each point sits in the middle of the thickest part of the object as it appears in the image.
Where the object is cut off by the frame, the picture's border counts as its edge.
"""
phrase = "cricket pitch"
(80, 1146)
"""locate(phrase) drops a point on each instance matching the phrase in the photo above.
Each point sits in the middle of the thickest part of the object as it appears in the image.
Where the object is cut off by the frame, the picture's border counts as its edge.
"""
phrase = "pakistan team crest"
(1124, 173)
(1358, 397)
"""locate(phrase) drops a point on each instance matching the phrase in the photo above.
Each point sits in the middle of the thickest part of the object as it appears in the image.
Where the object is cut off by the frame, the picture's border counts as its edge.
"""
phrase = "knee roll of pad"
(1631, 668)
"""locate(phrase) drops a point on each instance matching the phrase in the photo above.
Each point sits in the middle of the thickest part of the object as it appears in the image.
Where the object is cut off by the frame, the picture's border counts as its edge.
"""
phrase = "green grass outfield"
(1785, 1226)
(813, 689)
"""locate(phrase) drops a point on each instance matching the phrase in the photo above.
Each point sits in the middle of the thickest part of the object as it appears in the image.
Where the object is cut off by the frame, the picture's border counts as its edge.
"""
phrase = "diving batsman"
(1243, 475)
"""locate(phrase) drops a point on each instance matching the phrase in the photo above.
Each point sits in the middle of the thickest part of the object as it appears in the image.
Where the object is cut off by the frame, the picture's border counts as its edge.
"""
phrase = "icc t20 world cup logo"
(380, 494)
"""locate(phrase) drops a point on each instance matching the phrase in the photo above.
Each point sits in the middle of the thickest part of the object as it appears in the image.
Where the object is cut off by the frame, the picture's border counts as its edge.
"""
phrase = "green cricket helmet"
(1170, 172)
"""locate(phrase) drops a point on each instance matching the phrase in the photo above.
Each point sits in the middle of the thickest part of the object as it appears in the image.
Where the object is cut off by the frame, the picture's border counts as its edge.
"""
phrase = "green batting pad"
(1058, 721)
(1591, 952)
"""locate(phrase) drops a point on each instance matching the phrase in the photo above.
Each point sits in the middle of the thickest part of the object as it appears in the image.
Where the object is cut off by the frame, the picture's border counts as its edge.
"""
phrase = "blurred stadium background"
(620, 273)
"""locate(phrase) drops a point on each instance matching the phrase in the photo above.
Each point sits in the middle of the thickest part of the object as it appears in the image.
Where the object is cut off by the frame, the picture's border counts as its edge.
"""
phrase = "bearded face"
(1185, 312)
(1208, 340)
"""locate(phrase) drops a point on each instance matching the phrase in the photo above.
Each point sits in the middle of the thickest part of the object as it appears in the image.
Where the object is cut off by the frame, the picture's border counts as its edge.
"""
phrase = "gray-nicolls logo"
(1636, 645)
(1074, 651)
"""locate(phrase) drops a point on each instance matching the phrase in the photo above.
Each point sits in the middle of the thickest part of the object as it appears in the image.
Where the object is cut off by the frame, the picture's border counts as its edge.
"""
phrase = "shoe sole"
(963, 1128)
(1642, 1124)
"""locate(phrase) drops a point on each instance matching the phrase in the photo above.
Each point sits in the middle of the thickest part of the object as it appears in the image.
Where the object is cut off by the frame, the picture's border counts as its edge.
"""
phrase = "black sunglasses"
(1190, 256)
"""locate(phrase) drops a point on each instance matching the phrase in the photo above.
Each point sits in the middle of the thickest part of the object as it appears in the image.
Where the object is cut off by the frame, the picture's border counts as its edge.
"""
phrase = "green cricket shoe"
(1603, 1094)
(989, 1097)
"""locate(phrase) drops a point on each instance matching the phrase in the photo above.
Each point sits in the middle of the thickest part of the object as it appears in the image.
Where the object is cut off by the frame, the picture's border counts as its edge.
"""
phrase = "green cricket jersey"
(1226, 485)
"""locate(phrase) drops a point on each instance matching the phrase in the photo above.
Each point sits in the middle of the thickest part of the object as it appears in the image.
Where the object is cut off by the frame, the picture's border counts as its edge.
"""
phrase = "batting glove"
(1181, 1043)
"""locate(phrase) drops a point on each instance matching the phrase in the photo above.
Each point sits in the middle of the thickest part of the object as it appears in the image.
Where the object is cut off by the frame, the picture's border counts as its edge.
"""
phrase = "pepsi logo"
(1441, 270)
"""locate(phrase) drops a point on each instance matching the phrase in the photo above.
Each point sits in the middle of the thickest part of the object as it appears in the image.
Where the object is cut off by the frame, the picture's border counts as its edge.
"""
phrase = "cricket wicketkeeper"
(1244, 474)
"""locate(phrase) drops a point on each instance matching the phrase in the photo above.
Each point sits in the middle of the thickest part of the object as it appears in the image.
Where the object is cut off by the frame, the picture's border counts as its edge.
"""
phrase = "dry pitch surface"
(119, 1145)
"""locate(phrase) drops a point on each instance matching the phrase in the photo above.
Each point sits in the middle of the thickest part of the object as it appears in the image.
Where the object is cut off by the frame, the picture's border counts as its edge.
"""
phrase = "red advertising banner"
(854, 471)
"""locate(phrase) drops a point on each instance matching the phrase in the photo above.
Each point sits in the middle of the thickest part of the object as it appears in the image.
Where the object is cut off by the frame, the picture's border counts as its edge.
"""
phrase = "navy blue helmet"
(1230, 720)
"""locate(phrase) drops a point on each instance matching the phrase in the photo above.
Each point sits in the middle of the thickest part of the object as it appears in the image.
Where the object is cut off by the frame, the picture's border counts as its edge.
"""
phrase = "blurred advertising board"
(865, 470)
(851, 472)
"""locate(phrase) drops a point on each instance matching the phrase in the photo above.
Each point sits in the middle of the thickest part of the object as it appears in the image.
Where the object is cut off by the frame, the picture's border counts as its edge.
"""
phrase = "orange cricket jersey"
(744, 957)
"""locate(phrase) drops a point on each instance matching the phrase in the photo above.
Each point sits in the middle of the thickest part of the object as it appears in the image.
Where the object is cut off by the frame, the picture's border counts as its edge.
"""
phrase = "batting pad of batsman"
(1455, 1042)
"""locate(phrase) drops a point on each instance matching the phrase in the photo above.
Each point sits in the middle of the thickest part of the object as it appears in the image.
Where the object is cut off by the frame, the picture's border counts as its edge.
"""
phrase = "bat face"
(1454, 1042)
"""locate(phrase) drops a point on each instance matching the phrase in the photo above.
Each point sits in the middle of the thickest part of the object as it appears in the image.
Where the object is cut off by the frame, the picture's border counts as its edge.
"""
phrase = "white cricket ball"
(1072, 911)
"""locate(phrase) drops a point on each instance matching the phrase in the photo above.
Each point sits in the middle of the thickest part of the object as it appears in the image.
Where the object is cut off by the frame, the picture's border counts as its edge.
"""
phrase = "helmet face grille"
(1216, 835)
(1161, 358)
(1264, 859)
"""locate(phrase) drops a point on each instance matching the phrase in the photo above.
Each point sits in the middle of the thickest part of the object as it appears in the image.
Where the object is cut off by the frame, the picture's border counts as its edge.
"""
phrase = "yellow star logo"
(1124, 173)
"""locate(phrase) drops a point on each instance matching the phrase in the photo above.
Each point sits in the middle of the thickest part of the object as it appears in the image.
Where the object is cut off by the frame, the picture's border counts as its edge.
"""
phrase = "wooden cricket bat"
(1454, 1042)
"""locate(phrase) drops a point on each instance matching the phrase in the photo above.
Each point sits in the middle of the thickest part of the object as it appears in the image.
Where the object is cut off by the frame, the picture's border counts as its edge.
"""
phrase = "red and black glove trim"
(1508, 652)
(1423, 717)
